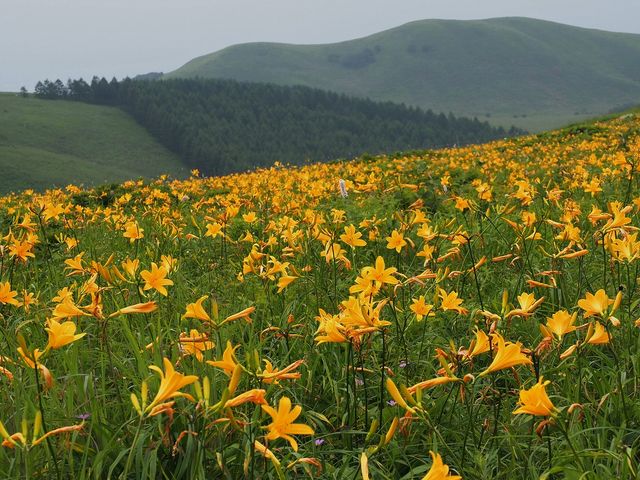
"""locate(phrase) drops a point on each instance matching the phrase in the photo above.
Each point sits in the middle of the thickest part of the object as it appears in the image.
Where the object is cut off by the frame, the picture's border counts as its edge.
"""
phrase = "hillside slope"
(477, 284)
(53, 143)
(531, 73)
(223, 126)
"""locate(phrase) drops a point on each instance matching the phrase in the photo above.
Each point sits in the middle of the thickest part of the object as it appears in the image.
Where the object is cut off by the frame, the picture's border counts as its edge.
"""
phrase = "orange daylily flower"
(250, 217)
(380, 274)
(20, 438)
(352, 237)
(507, 355)
(396, 241)
(330, 330)
(197, 311)
(272, 375)
(599, 336)
(528, 304)
(156, 279)
(432, 382)
(195, 343)
(74, 265)
(32, 360)
(61, 334)
(421, 308)
(171, 382)
(67, 309)
(147, 307)
(450, 301)
(480, 344)
(242, 314)
(131, 267)
(21, 250)
(228, 362)
(284, 281)
(8, 296)
(561, 323)
(282, 425)
(253, 396)
(133, 232)
(619, 216)
(214, 230)
(596, 304)
(438, 470)
(535, 400)
(462, 204)
(28, 299)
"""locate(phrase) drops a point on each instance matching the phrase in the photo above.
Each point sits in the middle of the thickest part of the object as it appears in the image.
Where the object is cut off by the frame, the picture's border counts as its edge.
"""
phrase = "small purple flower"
(392, 403)
(83, 416)
(318, 441)
(402, 364)
(359, 382)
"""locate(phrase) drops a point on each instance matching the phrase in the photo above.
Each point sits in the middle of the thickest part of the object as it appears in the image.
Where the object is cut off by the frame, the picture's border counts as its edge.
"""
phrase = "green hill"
(531, 73)
(223, 126)
(46, 143)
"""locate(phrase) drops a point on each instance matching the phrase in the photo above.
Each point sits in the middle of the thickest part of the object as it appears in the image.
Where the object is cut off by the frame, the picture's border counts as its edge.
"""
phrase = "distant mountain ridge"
(532, 73)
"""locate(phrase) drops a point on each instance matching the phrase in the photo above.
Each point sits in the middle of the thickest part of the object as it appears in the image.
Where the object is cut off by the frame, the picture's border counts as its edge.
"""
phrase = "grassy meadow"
(461, 313)
(45, 143)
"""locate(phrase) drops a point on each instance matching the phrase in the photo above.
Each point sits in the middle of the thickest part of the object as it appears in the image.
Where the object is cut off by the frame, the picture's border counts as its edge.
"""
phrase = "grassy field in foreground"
(462, 313)
(53, 143)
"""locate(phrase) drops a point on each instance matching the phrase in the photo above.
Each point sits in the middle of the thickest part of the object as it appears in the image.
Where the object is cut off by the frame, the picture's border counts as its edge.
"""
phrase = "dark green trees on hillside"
(222, 126)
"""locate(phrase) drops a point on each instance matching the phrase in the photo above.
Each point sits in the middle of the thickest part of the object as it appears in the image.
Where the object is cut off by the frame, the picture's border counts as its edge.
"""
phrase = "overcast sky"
(72, 38)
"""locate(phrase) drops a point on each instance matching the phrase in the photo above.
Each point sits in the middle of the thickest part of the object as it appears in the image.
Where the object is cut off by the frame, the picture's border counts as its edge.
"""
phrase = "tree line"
(223, 126)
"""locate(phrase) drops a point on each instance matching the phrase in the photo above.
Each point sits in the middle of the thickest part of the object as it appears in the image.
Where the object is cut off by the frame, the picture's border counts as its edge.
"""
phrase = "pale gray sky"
(72, 38)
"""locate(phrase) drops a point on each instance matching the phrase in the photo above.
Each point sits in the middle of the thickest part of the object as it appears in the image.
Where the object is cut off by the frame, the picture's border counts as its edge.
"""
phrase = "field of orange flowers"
(463, 313)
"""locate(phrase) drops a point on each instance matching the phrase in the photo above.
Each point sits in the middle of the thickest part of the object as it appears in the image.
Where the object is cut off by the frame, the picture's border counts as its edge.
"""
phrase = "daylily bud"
(397, 397)
(568, 352)
(37, 425)
(235, 379)
(505, 300)
(407, 395)
(136, 404)
(542, 426)
(589, 334)
(372, 429)
(364, 466)
(616, 303)
(391, 431)
(574, 406)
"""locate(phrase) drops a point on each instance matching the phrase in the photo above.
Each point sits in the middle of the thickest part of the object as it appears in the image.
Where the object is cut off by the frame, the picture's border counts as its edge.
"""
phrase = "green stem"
(475, 274)
(382, 367)
(573, 449)
(44, 423)
(130, 456)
